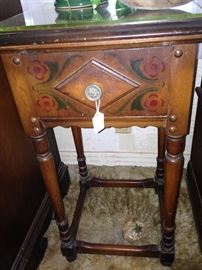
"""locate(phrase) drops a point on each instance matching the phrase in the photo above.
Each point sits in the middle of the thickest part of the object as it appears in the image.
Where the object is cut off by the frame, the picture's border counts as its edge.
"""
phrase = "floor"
(106, 213)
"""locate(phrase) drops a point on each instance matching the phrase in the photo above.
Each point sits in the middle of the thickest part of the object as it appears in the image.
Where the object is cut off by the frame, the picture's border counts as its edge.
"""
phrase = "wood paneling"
(9, 8)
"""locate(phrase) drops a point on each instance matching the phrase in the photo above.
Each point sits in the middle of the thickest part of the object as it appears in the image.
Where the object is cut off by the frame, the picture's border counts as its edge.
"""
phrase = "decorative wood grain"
(133, 82)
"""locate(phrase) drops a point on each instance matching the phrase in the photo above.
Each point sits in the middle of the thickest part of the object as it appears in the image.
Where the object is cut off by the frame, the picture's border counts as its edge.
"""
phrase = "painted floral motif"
(38, 70)
(153, 102)
(149, 70)
(48, 99)
(154, 67)
(149, 100)
(47, 103)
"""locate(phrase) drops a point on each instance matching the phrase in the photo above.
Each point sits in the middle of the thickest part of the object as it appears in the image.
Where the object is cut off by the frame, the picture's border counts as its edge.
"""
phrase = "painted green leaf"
(62, 104)
(135, 64)
(68, 62)
(53, 67)
(136, 105)
(122, 107)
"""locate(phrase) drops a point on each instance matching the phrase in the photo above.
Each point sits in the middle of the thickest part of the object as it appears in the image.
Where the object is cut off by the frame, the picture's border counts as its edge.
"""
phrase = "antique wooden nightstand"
(136, 67)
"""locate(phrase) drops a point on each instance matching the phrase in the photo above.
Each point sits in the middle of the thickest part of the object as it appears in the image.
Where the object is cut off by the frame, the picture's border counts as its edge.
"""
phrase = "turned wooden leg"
(173, 173)
(48, 171)
(159, 178)
(83, 171)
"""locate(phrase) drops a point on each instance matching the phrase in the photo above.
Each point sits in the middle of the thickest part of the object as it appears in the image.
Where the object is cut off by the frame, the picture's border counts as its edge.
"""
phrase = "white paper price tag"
(98, 122)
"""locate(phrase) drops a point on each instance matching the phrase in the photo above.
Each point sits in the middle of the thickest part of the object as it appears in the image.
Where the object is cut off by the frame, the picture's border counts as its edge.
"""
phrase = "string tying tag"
(98, 118)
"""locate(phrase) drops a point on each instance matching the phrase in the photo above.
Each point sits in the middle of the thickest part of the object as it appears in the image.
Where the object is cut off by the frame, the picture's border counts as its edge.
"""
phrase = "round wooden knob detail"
(16, 60)
(34, 120)
(178, 53)
(37, 130)
(172, 129)
(173, 118)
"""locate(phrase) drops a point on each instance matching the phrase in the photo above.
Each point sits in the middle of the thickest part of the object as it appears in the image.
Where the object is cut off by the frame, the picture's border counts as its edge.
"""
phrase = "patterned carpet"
(105, 214)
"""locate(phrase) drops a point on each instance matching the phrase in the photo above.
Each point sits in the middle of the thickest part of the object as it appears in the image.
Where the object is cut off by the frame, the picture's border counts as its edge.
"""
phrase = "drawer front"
(133, 82)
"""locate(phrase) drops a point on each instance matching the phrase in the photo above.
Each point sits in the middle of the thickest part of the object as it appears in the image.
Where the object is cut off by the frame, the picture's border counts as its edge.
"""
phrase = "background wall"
(110, 148)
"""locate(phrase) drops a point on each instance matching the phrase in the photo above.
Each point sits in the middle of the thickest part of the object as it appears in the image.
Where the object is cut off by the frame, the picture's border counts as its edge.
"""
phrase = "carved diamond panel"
(114, 85)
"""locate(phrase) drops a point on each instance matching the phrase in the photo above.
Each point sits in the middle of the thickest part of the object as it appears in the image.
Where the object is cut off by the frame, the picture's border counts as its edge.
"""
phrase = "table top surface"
(111, 16)
(45, 16)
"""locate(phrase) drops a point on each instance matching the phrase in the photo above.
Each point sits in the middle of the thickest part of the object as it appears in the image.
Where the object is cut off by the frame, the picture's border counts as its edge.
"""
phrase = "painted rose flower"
(47, 103)
(38, 70)
(154, 67)
(153, 102)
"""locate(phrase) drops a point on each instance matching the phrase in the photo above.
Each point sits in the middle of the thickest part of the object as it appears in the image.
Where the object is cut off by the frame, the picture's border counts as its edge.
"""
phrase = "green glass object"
(122, 10)
(77, 4)
(74, 15)
(95, 3)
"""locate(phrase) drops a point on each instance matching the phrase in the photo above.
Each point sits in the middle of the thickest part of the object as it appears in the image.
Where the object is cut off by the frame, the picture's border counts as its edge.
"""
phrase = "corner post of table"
(49, 174)
(159, 177)
(174, 161)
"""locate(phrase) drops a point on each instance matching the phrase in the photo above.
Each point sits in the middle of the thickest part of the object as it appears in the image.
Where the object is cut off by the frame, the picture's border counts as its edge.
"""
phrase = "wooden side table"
(143, 75)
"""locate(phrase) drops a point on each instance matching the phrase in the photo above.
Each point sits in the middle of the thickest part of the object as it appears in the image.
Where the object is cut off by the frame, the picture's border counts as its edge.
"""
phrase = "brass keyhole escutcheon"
(93, 92)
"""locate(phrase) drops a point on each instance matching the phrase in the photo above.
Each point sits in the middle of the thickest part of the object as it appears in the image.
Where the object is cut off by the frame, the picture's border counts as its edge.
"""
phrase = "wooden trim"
(144, 183)
(123, 250)
(118, 122)
(34, 235)
(196, 200)
(126, 33)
